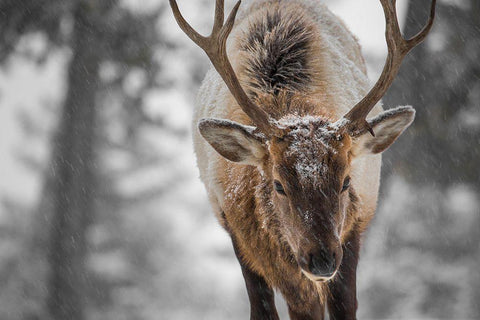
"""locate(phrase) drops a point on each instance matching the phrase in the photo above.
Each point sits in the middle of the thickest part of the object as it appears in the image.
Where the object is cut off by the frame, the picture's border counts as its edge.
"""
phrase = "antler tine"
(419, 37)
(215, 48)
(398, 47)
(186, 27)
(219, 15)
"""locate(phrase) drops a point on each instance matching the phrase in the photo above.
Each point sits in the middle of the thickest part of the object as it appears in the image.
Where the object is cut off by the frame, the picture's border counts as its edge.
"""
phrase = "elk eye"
(346, 184)
(278, 187)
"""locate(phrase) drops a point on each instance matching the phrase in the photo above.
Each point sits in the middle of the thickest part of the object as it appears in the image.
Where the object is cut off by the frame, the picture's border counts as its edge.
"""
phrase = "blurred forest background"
(101, 212)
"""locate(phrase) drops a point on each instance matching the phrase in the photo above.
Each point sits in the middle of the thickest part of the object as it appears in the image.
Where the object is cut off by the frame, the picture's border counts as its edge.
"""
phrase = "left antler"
(398, 47)
(215, 47)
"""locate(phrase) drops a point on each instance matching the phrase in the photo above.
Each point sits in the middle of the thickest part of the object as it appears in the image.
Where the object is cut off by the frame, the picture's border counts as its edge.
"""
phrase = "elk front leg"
(342, 300)
(260, 294)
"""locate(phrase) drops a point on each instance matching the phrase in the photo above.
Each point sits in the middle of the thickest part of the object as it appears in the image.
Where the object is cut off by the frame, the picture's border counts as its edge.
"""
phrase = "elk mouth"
(315, 278)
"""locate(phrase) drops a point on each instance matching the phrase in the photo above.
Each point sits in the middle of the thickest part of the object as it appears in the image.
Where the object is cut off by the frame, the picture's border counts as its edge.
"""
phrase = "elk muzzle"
(320, 263)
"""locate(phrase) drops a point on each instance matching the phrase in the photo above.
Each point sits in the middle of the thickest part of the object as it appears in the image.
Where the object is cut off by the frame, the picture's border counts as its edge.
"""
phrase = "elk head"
(307, 160)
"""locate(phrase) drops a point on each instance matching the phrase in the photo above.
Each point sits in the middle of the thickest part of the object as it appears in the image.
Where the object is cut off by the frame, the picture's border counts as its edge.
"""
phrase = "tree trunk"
(73, 173)
(475, 29)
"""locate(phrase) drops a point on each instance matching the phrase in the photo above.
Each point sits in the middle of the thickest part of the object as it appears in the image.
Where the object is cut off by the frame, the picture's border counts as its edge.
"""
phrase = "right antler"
(215, 47)
(398, 47)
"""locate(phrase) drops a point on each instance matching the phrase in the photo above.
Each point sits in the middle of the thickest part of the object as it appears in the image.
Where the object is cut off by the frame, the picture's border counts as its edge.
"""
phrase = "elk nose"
(322, 264)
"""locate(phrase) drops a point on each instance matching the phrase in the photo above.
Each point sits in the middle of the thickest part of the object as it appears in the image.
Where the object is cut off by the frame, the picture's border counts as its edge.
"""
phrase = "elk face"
(308, 169)
(310, 173)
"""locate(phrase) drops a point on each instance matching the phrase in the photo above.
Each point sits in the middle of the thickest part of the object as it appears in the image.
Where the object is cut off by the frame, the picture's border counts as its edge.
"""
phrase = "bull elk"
(291, 170)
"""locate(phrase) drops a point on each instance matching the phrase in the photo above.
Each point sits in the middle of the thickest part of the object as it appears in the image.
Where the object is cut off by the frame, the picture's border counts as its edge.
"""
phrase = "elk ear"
(234, 141)
(388, 126)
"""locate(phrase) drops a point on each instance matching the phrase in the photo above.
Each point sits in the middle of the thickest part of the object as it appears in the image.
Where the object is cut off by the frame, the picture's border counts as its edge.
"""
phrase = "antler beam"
(398, 47)
(215, 48)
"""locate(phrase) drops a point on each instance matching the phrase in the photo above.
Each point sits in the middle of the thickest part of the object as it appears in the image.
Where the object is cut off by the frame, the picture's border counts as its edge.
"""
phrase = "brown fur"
(277, 49)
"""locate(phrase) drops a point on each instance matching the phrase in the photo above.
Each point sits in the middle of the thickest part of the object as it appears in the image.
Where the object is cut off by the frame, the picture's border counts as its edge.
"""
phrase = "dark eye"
(278, 187)
(346, 184)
